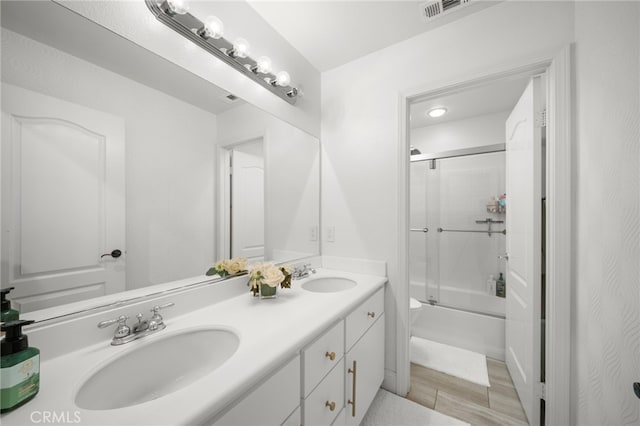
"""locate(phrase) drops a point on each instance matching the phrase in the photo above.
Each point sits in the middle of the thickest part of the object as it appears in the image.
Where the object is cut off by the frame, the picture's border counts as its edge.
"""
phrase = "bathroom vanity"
(313, 355)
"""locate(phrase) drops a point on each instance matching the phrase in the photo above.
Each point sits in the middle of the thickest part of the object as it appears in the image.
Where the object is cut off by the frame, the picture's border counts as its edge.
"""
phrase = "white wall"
(481, 130)
(360, 127)
(606, 312)
(133, 20)
(169, 158)
(292, 179)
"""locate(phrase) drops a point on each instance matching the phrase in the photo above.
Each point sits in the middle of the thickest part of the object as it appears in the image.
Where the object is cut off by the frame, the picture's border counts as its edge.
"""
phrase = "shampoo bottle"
(501, 287)
(20, 372)
(491, 285)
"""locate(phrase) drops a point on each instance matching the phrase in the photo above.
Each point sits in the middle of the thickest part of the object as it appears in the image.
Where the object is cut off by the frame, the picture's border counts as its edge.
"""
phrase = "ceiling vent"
(436, 8)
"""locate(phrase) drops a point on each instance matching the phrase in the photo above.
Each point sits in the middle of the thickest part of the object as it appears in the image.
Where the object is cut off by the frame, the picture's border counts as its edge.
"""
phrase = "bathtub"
(461, 324)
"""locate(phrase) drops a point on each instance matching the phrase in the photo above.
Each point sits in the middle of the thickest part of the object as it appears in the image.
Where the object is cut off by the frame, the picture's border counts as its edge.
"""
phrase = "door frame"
(559, 229)
(223, 197)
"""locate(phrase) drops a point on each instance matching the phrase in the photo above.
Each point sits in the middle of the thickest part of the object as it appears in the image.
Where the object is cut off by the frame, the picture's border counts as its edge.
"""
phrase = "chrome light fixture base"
(190, 27)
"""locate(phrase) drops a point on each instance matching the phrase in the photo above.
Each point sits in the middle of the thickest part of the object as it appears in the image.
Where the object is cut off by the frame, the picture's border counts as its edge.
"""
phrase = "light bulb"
(437, 112)
(240, 48)
(263, 65)
(283, 78)
(213, 27)
(178, 6)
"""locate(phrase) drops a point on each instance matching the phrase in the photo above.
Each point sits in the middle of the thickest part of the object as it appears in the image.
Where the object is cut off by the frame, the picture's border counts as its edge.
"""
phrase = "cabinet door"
(294, 419)
(270, 403)
(365, 372)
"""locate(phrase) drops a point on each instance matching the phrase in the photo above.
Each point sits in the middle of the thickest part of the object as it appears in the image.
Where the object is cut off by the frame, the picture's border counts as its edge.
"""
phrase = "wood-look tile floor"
(467, 401)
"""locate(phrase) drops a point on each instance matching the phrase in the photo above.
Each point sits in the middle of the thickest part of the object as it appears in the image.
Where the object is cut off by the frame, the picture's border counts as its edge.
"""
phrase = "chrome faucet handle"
(302, 269)
(156, 320)
(122, 330)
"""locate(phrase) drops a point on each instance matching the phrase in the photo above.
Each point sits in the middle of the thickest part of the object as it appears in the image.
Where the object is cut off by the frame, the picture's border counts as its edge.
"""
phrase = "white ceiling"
(329, 33)
(493, 97)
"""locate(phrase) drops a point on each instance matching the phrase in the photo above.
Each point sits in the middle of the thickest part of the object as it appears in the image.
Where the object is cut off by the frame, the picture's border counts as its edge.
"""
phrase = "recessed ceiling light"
(437, 112)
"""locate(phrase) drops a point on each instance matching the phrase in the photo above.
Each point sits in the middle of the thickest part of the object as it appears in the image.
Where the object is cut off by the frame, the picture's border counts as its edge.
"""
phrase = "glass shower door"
(423, 240)
(468, 252)
(451, 252)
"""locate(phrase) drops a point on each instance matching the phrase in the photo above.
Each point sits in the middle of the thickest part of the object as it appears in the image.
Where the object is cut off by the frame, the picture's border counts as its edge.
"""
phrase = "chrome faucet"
(125, 334)
(302, 271)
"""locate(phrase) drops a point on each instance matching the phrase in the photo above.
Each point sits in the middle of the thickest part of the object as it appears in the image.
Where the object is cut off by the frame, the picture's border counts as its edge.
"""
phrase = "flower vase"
(268, 292)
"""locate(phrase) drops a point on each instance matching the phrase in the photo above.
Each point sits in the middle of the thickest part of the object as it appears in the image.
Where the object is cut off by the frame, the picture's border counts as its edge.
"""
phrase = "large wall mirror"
(121, 170)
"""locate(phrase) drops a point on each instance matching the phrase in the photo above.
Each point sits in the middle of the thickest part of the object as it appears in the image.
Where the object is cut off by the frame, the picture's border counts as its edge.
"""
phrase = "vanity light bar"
(191, 27)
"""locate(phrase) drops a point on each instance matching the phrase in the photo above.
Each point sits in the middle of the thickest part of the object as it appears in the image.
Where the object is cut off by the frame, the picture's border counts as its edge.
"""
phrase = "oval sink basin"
(328, 284)
(156, 368)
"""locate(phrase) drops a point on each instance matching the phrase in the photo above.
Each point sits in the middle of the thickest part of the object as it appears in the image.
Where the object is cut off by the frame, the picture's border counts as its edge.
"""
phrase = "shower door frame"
(442, 155)
(559, 260)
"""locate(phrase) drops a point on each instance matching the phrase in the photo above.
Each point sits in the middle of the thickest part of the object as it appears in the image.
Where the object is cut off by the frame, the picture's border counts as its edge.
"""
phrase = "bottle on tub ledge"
(491, 285)
(501, 286)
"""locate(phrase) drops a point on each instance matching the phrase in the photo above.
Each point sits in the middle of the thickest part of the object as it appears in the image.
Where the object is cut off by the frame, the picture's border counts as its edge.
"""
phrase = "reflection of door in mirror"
(247, 200)
(62, 199)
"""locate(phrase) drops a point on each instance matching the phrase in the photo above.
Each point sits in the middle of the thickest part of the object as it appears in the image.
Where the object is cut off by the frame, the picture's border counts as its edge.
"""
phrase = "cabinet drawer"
(363, 317)
(316, 358)
(329, 394)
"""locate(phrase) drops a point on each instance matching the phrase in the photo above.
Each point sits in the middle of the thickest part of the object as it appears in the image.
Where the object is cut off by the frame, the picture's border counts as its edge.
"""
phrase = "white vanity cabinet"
(342, 394)
(364, 359)
(332, 382)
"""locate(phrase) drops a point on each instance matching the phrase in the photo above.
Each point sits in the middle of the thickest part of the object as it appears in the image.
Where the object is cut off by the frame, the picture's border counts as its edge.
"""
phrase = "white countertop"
(271, 332)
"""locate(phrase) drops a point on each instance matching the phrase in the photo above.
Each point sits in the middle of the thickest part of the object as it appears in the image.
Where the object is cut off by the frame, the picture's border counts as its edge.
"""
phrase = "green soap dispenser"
(7, 314)
(20, 372)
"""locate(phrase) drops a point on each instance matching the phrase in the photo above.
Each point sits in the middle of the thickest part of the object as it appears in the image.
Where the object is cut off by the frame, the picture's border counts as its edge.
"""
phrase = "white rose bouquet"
(226, 267)
(270, 275)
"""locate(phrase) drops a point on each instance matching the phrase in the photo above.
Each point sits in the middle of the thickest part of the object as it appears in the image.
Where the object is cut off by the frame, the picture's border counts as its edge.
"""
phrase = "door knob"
(425, 230)
(115, 254)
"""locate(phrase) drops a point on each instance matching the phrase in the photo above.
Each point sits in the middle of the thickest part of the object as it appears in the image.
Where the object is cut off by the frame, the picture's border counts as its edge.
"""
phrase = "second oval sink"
(157, 368)
(328, 284)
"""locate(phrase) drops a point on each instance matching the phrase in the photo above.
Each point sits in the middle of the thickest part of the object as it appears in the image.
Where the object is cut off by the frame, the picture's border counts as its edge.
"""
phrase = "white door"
(523, 243)
(62, 200)
(247, 202)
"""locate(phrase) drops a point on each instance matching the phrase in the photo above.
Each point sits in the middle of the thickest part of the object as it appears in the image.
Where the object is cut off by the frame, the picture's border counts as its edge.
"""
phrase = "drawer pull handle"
(331, 356)
(371, 314)
(352, 401)
(331, 405)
